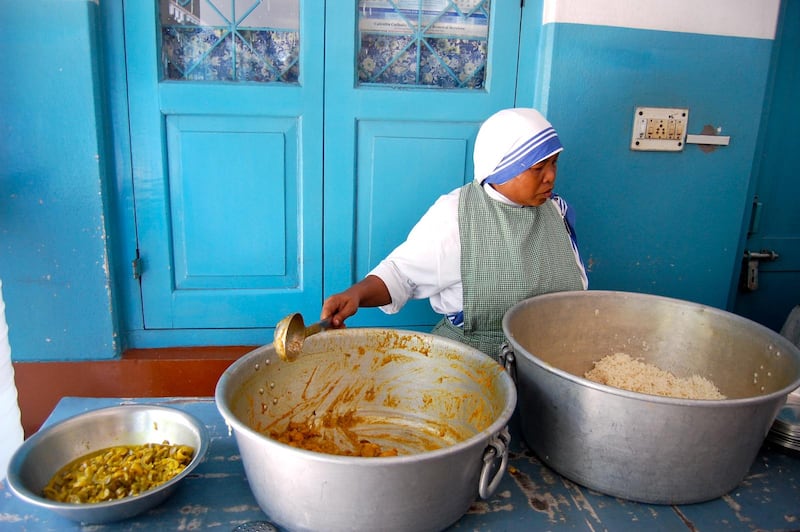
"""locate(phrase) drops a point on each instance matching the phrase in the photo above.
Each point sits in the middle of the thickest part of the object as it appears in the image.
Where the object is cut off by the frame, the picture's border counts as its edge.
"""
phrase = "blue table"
(530, 497)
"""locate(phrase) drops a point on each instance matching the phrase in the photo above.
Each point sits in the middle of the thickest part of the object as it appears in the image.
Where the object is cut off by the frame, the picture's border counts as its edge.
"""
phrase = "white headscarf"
(511, 141)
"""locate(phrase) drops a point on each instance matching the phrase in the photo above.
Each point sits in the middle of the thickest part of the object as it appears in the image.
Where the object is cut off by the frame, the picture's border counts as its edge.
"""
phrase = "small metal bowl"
(43, 454)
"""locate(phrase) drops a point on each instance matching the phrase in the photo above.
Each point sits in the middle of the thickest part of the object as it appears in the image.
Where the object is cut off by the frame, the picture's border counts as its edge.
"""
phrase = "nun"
(485, 246)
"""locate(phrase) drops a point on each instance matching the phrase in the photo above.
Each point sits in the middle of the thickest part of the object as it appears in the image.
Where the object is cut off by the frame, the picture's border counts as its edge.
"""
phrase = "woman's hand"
(369, 292)
(339, 307)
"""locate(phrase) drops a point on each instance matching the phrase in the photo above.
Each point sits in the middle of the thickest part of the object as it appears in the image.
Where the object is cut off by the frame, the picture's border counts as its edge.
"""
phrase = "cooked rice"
(622, 371)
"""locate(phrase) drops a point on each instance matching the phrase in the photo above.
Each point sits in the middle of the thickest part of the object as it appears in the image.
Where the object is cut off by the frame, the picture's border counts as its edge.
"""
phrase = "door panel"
(227, 162)
(206, 205)
(394, 143)
(776, 221)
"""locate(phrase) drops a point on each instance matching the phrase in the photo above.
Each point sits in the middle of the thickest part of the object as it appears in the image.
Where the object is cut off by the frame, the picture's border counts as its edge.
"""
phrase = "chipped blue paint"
(53, 254)
(530, 496)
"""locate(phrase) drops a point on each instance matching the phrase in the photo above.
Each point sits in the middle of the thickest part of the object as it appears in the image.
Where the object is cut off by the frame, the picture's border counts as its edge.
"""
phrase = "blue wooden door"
(225, 104)
(775, 223)
(407, 84)
(234, 103)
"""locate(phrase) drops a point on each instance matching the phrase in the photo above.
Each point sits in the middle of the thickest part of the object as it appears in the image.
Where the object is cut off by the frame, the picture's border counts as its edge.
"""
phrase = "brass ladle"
(291, 332)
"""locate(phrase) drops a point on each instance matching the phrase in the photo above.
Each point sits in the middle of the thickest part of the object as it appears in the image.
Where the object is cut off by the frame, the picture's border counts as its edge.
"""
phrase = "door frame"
(758, 177)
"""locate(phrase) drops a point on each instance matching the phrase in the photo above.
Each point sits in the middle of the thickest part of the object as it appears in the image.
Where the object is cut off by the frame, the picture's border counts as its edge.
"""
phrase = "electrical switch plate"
(659, 129)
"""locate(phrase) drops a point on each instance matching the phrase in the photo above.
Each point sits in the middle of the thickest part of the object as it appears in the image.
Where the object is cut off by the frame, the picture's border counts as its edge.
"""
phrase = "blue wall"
(663, 223)
(666, 223)
(53, 258)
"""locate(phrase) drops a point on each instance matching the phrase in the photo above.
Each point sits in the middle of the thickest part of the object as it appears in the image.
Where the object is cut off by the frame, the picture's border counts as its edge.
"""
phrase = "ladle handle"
(317, 327)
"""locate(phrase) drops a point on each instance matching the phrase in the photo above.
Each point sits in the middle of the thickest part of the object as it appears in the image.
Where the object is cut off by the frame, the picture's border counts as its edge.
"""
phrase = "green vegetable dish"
(117, 472)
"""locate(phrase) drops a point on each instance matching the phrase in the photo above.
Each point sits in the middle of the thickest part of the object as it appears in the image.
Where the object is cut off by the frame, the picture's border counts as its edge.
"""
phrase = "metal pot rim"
(500, 422)
(650, 398)
(732, 403)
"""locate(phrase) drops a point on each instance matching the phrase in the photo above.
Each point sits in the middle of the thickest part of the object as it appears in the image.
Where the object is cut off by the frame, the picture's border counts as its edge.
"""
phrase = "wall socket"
(659, 128)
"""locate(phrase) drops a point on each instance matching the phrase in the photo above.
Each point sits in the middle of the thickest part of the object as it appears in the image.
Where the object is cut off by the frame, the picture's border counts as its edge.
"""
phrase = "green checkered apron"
(508, 254)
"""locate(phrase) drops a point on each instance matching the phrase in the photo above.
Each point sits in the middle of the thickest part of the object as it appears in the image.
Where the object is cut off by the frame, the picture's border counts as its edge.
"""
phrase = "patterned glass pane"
(230, 40)
(434, 43)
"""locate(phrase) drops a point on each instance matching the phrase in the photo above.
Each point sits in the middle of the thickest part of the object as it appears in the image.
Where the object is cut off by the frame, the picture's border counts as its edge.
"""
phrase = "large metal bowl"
(43, 454)
(442, 404)
(643, 447)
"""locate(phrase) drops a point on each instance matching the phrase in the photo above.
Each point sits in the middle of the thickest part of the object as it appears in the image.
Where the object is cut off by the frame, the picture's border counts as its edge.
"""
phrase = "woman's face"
(533, 186)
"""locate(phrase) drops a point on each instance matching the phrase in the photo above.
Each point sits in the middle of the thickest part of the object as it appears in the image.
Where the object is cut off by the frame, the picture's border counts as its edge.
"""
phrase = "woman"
(485, 246)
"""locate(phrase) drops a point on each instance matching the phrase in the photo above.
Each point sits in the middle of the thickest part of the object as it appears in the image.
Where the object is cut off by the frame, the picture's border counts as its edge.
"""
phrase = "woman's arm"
(369, 292)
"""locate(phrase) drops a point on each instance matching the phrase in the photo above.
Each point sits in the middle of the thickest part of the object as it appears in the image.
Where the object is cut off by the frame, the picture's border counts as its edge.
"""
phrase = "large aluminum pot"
(443, 405)
(643, 447)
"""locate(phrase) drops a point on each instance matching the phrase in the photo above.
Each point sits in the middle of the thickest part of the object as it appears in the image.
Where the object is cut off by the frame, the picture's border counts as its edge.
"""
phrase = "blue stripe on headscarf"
(537, 148)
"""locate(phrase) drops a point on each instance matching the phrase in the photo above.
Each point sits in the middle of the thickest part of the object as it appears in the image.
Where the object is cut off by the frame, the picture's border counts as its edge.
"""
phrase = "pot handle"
(508, 360)
(498, 446)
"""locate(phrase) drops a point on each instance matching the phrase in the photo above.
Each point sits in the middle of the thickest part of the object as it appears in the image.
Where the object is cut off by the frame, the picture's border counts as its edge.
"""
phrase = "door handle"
(752, 259)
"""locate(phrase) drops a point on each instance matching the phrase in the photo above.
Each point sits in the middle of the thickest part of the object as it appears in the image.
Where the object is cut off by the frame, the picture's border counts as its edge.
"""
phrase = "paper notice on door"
(433, 18)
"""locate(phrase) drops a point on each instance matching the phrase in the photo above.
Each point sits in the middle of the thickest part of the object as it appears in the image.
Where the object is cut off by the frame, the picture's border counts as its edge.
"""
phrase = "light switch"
(659, 128)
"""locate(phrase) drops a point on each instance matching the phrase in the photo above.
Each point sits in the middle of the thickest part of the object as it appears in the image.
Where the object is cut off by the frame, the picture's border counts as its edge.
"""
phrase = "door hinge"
(136, 266)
